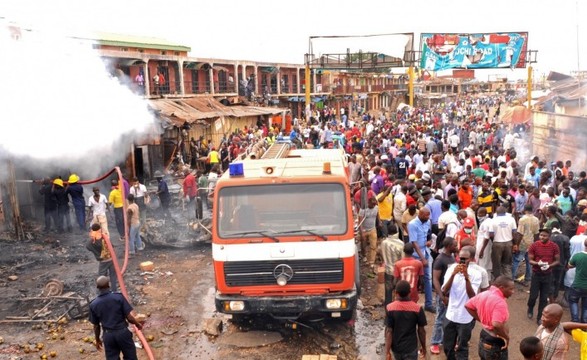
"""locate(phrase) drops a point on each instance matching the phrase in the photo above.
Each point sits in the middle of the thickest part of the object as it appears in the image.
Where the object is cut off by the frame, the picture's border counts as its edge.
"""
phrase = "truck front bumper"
(287, 307)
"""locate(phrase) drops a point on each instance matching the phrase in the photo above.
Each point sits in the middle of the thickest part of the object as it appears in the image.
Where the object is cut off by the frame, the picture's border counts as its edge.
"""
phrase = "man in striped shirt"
(392, 249)
(543, 255)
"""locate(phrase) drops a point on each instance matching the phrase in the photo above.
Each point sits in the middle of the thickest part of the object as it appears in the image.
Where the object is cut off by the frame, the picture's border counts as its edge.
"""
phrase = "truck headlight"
(234, 305)
(336, 304)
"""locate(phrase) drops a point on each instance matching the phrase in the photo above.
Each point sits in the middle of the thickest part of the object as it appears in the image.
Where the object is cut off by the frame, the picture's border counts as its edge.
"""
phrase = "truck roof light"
(236, 169)
(326, 168)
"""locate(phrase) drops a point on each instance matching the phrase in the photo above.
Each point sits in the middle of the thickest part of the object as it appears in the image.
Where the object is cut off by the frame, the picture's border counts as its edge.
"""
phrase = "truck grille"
(315, 271)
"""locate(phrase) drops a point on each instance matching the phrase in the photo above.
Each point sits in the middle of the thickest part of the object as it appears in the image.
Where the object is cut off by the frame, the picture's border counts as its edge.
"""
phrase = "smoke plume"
(61, 108)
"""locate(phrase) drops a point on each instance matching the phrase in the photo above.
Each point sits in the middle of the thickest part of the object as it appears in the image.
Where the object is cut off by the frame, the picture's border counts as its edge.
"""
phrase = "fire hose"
(120, 272)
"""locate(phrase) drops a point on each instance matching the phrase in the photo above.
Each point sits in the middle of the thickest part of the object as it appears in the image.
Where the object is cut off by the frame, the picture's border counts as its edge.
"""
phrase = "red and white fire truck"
(283, 236)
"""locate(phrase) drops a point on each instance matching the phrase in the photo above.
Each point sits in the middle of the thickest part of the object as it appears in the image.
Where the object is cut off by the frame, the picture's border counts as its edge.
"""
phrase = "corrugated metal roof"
(190, 110)
(567, 89)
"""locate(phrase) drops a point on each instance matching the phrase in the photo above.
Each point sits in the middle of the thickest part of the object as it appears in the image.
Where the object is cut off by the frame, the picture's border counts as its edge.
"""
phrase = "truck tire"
(240, 319)
(348, 315)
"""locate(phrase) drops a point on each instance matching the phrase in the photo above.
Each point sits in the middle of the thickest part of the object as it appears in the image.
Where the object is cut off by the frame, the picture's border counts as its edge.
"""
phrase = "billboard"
(443, 51)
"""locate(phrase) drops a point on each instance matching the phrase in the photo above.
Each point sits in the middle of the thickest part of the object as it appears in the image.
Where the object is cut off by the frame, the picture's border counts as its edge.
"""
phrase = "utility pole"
(411, 84)
(529, 89)
(578, 56)
(308, 87)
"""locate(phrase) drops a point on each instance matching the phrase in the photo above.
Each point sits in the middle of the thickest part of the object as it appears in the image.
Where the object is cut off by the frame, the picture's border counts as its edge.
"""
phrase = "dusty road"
(178, 298)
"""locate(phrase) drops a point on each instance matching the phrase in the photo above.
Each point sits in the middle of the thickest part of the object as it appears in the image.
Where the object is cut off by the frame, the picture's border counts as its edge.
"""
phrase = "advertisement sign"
(441, 51)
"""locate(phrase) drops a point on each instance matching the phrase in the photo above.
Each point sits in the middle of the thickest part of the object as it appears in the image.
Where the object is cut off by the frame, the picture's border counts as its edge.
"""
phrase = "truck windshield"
(282, 209)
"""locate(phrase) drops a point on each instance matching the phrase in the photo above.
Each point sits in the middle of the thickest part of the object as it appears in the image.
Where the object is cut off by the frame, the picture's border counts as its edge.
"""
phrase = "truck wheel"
(240, 319)
(348, 315)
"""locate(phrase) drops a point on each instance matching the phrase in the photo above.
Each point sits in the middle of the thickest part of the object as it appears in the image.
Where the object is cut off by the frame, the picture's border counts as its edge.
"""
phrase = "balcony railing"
(225, 87)
(159, 89)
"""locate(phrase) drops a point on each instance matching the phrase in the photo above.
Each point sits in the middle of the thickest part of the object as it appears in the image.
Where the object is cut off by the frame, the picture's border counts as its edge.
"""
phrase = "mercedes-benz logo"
(283, 270)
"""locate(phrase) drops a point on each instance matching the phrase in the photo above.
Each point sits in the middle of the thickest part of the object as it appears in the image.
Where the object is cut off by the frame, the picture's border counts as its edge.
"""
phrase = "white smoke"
(60, 106)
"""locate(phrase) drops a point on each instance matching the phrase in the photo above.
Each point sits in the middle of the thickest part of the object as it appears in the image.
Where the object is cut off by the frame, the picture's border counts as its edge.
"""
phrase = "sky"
(279, 31)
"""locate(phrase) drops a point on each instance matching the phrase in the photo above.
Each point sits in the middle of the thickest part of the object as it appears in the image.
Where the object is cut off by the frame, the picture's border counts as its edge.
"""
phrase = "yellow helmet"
(73, 178)
(58, 182)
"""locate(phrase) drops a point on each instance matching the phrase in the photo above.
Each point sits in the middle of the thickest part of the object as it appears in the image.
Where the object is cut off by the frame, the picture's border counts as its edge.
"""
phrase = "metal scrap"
(51, 301)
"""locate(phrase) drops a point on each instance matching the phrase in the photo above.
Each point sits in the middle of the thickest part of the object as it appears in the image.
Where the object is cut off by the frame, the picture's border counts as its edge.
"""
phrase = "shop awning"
(190, 110)
(516, 115)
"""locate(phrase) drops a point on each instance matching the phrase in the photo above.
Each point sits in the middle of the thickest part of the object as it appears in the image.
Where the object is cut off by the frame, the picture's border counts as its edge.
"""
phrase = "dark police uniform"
(110, 309)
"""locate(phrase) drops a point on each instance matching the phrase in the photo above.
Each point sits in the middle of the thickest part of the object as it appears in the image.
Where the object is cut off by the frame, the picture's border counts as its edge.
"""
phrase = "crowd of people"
(442, 195)
(447, 202)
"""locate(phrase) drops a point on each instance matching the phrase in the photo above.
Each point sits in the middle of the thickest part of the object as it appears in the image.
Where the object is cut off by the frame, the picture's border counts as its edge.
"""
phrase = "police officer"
(111, 310)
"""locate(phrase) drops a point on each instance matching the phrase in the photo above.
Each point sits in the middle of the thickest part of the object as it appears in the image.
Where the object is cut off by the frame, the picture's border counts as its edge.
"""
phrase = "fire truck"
(283, 236)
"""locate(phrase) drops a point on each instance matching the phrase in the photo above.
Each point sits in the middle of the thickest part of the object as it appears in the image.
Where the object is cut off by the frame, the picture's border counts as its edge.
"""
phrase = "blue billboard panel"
(442, 51)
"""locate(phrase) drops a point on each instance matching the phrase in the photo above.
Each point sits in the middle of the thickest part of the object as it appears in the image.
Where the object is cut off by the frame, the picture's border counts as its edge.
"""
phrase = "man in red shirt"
(410, 270)
(491, 310)
(190, 191)
(543, 255)
(362, 195)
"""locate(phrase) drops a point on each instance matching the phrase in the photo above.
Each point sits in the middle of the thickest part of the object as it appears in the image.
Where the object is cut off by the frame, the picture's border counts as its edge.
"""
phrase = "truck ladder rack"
(277, 151)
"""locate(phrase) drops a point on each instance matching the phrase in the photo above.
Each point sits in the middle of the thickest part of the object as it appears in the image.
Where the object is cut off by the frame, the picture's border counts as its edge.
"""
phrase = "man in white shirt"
(448, 219)
(423, 165)
(463, 280)
(451, 159)
(472, 137)
(399, 206)
(508, 141)
(141, 195)
(369, 128)
(459, 168)
(484, 235)
(97, 206)
(504, 228)
(417, 158)
(501, 158)
(453, 141)
(576, 245)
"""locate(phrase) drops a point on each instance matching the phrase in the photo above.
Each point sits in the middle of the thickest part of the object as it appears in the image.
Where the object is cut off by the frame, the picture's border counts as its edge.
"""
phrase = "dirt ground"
(178, 297)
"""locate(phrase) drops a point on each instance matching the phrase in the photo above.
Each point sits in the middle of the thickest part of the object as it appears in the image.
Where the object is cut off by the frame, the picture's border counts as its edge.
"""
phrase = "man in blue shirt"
(520, 199)
(327, 137)
(419, 228)
(111, 312)
(434, 205)
(293, 137)
(402, 166)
